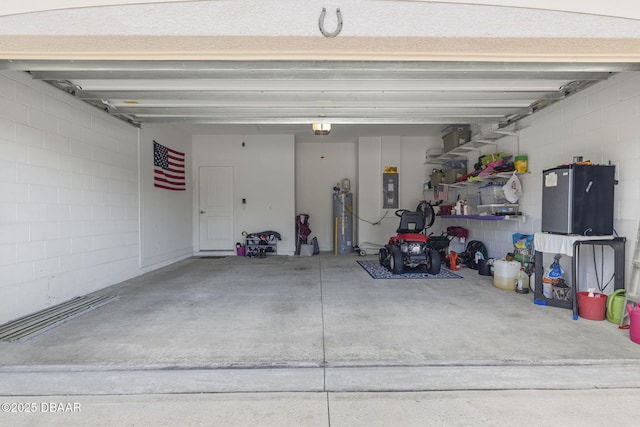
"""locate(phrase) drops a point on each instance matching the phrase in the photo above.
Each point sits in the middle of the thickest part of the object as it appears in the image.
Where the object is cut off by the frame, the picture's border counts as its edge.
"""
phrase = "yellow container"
(522, 164)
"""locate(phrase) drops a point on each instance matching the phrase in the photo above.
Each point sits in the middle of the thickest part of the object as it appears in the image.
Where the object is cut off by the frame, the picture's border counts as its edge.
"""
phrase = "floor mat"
(377, 271)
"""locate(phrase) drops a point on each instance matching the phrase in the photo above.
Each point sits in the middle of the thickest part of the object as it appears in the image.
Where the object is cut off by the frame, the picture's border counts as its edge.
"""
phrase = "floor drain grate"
(34, 324)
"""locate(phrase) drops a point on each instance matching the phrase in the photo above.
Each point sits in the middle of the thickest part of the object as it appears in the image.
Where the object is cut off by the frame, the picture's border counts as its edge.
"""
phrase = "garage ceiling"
(294, 94)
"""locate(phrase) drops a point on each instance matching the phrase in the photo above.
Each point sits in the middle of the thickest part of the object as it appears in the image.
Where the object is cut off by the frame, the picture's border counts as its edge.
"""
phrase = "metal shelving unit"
(518, 218)
(478, 180)
(461, 151)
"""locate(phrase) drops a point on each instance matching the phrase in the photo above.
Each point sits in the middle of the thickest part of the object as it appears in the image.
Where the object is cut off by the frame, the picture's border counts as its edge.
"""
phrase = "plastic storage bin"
(498, 209)
(451, 176)
(455, 139)
(473, 201)
(436, 178)
(454, 164)
(492, 194)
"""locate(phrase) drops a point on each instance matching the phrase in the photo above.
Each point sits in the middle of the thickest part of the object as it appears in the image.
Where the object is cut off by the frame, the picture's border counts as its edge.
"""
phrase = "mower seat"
(411, 222)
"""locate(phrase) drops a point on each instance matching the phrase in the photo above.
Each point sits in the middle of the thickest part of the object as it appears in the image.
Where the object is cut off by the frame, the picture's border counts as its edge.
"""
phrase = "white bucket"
(306, 250)
(505, 274)
(547, 290)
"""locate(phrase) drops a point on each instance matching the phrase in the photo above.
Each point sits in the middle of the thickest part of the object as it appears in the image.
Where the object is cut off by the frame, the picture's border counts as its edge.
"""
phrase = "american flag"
(169, 170)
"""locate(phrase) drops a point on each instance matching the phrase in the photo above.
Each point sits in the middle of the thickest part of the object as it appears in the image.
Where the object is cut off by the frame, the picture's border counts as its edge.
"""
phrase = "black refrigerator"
(578, 199)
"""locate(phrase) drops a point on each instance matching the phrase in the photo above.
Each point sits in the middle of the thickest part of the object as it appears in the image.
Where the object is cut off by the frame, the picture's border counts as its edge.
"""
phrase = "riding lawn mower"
(409, 248)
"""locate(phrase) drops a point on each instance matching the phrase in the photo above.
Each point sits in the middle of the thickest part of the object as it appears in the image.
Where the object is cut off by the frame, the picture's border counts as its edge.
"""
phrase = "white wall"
(68, 197)
(264, 175)
(166, 216)
(600, 124)
(319, 167)
(374, 153)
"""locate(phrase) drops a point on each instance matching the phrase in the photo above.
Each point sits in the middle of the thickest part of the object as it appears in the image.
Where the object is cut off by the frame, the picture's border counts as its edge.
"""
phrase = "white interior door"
(216, 208)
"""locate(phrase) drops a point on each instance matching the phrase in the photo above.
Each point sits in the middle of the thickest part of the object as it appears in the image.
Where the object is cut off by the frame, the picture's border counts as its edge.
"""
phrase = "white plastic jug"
(505, 274)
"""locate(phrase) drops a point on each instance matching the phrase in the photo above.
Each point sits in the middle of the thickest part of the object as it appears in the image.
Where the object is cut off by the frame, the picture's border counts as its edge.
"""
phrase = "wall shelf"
(461, 151)
(477, 180)
(518, 218)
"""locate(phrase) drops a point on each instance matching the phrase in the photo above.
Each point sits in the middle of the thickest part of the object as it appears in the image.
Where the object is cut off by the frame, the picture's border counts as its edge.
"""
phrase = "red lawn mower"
(410, 247)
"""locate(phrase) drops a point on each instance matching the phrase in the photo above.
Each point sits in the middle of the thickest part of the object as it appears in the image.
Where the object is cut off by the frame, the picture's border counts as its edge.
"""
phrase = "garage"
(82, 105)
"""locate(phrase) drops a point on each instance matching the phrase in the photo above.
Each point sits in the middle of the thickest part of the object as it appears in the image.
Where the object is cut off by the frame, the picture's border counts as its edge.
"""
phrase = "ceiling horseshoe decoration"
(321, 23)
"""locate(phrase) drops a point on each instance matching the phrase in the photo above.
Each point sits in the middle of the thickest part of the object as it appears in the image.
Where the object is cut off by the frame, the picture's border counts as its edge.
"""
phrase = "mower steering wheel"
(428, 212)
(399, 212)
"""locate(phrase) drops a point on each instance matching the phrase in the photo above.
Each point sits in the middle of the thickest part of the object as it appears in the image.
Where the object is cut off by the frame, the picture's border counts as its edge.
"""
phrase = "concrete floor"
(317, 341)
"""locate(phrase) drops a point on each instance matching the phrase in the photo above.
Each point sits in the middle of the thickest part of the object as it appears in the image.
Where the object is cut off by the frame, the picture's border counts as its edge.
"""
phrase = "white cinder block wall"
(319, 167)
(166, 217)
(374, 153)
(600, 124)
(264, 176)
(68, 197)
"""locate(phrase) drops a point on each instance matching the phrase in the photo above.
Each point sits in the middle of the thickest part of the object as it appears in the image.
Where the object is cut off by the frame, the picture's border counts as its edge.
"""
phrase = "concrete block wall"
(264, 176)
(166, 224)
(376, 224)
(69, 209)
(601, 124)
(319, 167)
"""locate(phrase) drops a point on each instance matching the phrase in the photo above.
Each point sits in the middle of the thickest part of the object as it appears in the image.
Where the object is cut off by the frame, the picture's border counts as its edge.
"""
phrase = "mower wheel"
(396, 261)
(383, 254)
(436, 262)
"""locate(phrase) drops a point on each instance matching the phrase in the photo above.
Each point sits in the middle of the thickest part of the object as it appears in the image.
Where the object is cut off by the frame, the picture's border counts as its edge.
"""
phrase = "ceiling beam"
(299, 85)
(310, 120)
(313, 65)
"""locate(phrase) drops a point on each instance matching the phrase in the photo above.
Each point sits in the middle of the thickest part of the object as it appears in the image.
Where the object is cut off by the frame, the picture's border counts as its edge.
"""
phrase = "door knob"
(202, 212)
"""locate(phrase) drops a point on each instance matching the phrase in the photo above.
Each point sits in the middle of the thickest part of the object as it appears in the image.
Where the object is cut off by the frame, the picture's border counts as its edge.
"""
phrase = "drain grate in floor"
(34, 324)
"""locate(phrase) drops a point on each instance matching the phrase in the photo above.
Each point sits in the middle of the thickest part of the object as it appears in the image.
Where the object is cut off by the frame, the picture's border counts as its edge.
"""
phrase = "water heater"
(343, 222)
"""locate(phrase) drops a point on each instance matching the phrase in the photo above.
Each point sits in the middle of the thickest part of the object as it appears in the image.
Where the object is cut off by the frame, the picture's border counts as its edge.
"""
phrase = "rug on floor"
(377, 271)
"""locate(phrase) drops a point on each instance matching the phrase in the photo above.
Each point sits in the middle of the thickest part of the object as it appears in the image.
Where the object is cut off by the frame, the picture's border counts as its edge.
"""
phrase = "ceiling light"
(321, 128)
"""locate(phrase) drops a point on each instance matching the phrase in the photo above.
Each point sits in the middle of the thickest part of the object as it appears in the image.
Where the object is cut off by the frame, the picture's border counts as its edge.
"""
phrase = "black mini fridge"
(578, 199)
